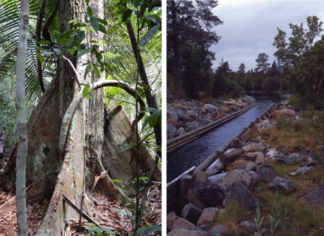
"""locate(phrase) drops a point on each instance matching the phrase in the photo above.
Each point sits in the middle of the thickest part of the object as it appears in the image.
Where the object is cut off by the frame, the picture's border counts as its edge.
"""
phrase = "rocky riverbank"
(186, 115)
(222, 199)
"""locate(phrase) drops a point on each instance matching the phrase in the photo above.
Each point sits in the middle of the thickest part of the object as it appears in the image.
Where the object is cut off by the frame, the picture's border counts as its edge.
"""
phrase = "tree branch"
(79, 97)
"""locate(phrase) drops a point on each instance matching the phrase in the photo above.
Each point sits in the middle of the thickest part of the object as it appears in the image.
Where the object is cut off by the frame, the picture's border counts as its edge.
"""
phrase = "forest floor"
(109, 213)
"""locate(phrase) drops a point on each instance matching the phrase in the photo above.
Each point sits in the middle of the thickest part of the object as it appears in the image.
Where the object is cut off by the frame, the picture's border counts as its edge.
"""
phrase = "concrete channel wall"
(188, 137)
(174, 187)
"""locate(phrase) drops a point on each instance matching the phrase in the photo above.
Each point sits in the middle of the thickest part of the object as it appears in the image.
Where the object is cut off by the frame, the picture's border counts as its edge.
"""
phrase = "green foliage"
(94, 230)
(303, 59)
(258, 220)
(149, 229)
(9, 21)
(278, 218)
(8, 111)
(153, 119)
(196, 63)
(114, 54)
(280, 122)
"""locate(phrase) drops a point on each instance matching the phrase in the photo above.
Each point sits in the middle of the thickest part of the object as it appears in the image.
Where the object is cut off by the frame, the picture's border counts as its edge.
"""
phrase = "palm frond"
(9, 22)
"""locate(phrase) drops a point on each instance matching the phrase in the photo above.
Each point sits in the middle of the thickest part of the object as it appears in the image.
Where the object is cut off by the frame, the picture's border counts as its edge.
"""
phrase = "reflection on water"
(195, 152)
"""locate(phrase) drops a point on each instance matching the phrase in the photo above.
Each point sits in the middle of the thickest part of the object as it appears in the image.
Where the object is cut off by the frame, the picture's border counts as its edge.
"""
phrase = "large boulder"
(170, 121)
(285, 159)
(266, 173)
(260, 159)
(209, 194)
(218, 229)
(302, 169)
(192, 198)
(250, 156)
(182, 223)
(182, 115)
(248, 99)
(237, 175)
(191, 213)
(257, 147)
(224, 109)
(181, 131)
(172, 114)
(172, 130)
(171, 219)
(255, 177)
(240, 194)
(193, 125)
(237, 164)
(208, 216)
(230, 102)
(248, 227)
(210, 108)
(216, 167)
(204, 121)
(192, 114)
(253, 147)
(251, 166)
(230, 156)
(216, 179)
(281, 183)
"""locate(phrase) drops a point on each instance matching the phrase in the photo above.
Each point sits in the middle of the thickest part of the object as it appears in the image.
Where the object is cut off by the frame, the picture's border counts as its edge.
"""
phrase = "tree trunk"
(177, 71)
(21, 120)
(176, 48)
(47, 169)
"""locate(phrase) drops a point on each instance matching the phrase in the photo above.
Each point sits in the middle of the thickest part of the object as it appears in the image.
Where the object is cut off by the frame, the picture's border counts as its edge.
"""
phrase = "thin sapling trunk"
(21, 120)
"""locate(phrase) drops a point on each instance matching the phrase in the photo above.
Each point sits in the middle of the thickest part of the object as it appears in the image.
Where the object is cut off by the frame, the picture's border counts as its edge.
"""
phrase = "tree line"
(298, 67)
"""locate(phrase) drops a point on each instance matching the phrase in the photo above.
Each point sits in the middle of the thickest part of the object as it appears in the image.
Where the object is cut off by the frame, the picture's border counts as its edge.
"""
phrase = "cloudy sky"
(250, 27)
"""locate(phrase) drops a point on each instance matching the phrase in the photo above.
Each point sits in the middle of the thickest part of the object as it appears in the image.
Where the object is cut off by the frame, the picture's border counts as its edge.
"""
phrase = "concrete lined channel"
(195, 152)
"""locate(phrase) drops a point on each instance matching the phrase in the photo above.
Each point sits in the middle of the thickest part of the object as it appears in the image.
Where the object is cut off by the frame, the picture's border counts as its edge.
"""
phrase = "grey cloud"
(249, 29)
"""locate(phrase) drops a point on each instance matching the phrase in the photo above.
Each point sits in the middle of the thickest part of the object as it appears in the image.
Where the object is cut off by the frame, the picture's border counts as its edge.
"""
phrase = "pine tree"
(189, 21)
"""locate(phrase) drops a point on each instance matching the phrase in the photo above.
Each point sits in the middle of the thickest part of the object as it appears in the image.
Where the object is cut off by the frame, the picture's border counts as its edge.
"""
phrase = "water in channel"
(195, 152)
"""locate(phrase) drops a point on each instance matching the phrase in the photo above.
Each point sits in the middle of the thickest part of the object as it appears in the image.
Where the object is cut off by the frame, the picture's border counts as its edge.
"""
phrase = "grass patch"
(230, 218)
(294, 135)
(303, 215)
(262, 184)
(283, 169)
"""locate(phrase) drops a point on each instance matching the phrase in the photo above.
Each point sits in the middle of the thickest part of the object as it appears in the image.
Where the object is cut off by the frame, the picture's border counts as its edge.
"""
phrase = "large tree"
(189, 21)
(222, 73)
(241, 70)
(55, 167)
(302, 61)
(196, 65)
(262, 63)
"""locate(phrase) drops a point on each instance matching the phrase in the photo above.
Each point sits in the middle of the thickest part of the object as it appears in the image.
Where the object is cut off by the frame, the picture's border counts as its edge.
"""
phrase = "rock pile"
(184, 116)
(232, 178)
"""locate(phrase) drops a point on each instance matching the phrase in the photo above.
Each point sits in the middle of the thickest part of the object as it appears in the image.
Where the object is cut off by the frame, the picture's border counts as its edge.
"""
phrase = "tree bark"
(21, 120)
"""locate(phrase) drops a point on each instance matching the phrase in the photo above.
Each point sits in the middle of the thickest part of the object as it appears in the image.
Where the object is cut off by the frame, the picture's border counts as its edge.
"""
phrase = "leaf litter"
(109, 213)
